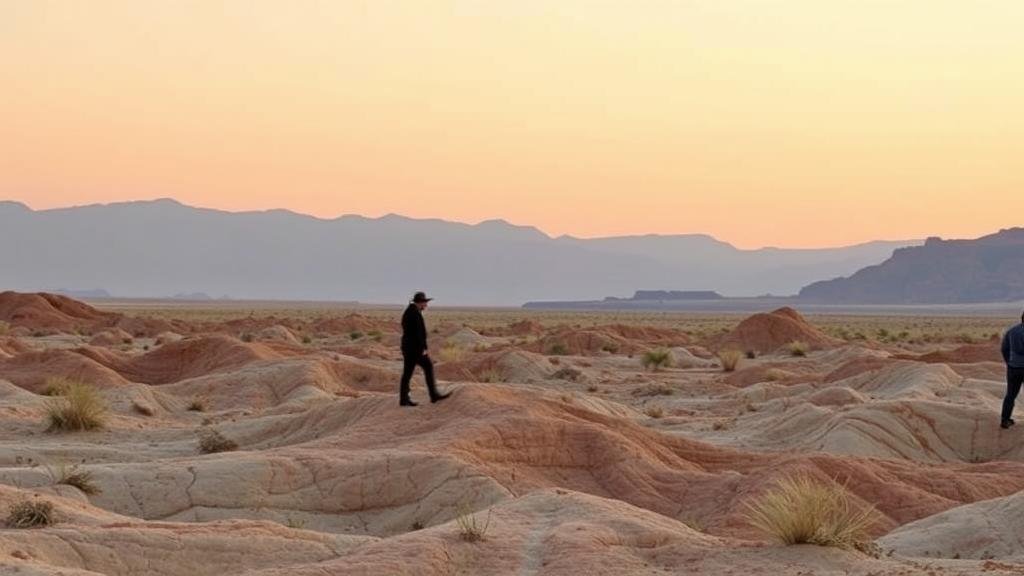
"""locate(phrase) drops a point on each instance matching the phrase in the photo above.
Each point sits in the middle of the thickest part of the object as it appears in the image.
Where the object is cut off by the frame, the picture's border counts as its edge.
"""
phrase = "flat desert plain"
(222, 439)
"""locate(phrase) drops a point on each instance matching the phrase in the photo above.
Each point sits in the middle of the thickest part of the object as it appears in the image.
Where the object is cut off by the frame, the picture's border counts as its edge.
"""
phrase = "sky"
(791, 123)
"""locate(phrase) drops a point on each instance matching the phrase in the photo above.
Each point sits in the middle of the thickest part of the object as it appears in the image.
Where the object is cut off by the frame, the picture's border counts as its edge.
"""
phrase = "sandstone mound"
(467, 338)
(768, 332)
(186, 358)
(113, 337)
(351, 323)
(277, 333)
(983, 530)
(526, 328)
(44, 311)
(968, 354)
(503, 366)
(167, 337)
(582, 342)
(32, 370)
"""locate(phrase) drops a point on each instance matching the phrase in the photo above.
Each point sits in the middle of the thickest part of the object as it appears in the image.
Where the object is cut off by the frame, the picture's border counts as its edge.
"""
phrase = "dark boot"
(439, 397)
(407, 402)
(1006, 423)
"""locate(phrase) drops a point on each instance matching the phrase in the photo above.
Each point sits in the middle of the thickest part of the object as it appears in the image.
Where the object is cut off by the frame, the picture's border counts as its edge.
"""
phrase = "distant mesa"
(640, 298)
(675, 295)
(194, 296)
(987, 269)
(91, 294)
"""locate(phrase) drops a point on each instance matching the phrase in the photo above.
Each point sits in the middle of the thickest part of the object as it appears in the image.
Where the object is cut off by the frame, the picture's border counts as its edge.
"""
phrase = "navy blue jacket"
(1013, 346)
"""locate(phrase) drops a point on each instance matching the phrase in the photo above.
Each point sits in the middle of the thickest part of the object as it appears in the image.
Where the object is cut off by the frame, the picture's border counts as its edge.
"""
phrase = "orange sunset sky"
(762, 122)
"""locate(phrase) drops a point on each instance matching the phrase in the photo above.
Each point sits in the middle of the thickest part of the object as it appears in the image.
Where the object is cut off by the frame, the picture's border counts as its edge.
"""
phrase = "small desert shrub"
(355, 335)
(74, 476)
(470, 529)
(375, 335)
(729, 359)
(657, 389)
(307, 339)
(4, 327)
(295, 523)
(774, 374)
(197, 404)
(211, 441)
(802, 510)
(654, 411)
(55, 386)
(247, 337)
(558, 349)
(30, 514)
(417, 525)
(567, 373)
(593, 388)
(656, 359)
(610, 348)
(489, 376)
(798, 348)
(75, 406)
(452, 353)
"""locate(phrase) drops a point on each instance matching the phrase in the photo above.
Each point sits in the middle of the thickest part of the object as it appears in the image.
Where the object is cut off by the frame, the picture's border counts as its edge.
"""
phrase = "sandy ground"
(572, 455)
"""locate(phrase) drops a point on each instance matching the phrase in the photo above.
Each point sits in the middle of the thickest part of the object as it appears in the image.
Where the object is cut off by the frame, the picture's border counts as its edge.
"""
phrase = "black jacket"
(414, 332)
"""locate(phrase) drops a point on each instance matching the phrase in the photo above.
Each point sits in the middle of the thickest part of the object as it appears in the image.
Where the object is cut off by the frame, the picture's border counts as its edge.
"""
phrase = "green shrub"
(798, 348)
(656, 359)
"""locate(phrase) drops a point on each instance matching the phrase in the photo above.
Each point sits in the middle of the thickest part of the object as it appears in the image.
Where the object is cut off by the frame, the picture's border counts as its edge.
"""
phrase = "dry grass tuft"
(74, 476)
(798, 348)
(470, 529)
(30, 514)
(802, 510)
(197, 404)
(729, 359)
(212, 441)
(452, 353)
(655, 412)
(75, 406)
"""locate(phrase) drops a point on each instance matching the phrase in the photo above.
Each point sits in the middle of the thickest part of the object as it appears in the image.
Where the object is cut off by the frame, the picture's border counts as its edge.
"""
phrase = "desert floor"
(267, 439)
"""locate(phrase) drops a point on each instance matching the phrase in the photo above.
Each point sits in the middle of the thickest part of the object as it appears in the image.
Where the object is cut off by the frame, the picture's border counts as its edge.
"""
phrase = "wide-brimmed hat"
(420, 297)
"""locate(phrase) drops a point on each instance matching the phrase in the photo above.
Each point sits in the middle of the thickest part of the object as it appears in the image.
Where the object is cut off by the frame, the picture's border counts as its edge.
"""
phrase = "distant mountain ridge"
(160, 247)
(987, 269)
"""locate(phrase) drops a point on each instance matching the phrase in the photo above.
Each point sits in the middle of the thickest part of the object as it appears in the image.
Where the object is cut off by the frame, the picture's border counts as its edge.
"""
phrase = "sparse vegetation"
(558, 349)
(75, 406)
(655, 389)
(355, 335)
(802, 510)
(212, 441)
(654, 411)
(295, 523)
(490, 376)
(751, 354)
(30, 514)
(656, 359)
(470, 528)
(307, 339)
(74, 476)
(729, 359)
(197, 404)
(567, 373)
(798, 348)
(4, 327)
(248, 337)
(452, 353)
(375, 335)
(610, 348)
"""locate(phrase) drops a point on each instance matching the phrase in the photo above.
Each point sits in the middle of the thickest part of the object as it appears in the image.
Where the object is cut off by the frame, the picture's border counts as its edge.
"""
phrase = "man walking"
(414, 351)
(1013, 355)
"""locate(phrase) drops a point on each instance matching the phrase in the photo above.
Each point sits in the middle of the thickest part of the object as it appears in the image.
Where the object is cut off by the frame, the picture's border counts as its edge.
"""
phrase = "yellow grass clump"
(802, 510)
(729, 359)
(656, 359)
(74, 406)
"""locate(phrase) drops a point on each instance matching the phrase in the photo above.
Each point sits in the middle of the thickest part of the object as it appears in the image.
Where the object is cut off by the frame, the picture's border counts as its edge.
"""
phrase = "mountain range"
(986, 269)
(162, 247)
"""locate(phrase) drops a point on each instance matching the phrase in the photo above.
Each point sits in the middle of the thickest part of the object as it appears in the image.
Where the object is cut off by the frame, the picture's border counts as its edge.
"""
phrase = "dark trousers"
(411, 361)
(1014, 378)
